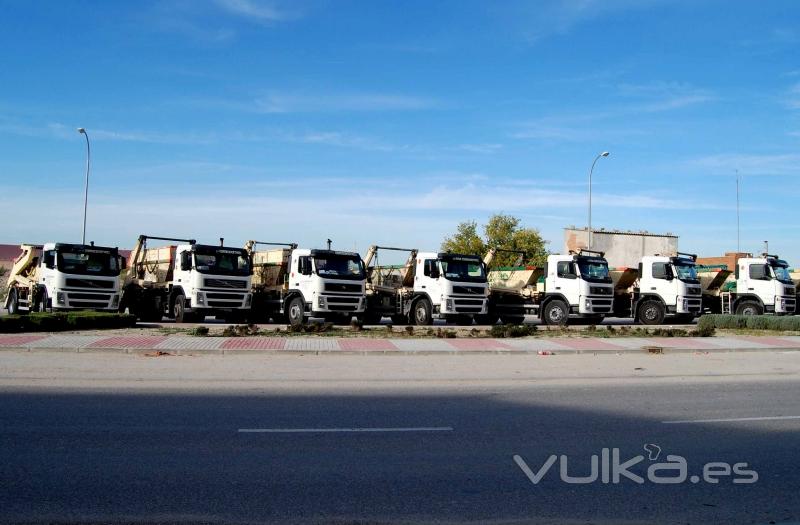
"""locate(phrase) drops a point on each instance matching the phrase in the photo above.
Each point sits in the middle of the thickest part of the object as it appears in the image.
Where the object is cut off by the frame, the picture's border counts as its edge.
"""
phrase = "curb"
(454, 352)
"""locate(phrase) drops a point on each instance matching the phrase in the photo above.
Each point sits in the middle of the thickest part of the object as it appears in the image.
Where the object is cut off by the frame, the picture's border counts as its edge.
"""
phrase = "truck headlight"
(448, 304)
(321, 301)
(588, 303)
(115, 300)
(201, 298)
(248, 300)
(61, 298)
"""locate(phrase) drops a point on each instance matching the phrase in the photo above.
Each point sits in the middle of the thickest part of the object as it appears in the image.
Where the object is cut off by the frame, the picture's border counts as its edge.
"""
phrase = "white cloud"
(665, 96)
(254, 9)
(311, 103)
(780, 164)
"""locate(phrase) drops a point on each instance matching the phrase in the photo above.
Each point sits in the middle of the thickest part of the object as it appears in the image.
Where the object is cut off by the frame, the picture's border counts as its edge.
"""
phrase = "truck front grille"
(88, 283)
(469, 290)
(224, 283)
(342, 287)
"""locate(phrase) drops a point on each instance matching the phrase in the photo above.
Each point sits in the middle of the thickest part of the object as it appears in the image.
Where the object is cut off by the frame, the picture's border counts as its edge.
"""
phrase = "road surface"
(392, 439)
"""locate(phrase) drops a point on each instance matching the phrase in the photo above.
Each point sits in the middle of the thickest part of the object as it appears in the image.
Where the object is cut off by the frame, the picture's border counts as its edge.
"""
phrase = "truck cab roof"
(79, 247)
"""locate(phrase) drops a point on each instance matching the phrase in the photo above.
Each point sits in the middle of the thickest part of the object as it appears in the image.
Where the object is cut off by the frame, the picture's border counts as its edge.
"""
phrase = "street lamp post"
(86, 186)
(603, 154)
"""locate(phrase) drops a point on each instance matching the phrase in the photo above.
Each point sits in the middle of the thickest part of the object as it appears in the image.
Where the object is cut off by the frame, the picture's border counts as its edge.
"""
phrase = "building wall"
(729, 260)
(622, 249)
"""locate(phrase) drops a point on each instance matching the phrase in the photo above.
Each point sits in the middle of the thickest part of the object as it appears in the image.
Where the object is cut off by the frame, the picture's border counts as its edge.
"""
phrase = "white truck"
(63, 276)
(294, 284)
(428, 286)
(186, 281)
(664, 286)
(763, 286)
(576, 284)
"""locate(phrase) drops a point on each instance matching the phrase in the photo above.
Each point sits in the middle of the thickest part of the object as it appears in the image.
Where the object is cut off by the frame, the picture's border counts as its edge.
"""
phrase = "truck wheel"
(13, 303)
(295, 312)
(399, 319)
(556, 313)
(651, 312)
(513, 319)
(41, 304)
(422, 313)
(749, 308)
(486, 319)
(179, 310)
(371, 317)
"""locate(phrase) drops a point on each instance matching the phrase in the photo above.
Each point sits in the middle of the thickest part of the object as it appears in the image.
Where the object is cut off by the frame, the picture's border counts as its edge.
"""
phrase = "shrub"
(356, 325)
(752, 322)
(199, 331)
(61, 321)
(512, 330)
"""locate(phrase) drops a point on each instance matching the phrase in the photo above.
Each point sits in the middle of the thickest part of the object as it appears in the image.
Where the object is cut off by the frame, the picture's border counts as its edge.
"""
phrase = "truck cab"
(763, 285)
(667, 286)
(326, 284)
(576, 284)
(63, 276)
(211, 280)
(449, 286)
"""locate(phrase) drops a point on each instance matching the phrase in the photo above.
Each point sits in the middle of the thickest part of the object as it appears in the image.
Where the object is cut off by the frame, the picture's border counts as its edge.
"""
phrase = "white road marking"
(367, 429)
(732, 420)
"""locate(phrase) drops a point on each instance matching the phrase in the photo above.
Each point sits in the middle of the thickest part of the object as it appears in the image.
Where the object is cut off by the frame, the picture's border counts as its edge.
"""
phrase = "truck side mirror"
(186, 261)
(123, 263)
(49, 260)
(434, 272)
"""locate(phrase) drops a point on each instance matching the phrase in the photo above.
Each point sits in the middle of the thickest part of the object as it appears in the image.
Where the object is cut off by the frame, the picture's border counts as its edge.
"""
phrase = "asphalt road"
(391, 439)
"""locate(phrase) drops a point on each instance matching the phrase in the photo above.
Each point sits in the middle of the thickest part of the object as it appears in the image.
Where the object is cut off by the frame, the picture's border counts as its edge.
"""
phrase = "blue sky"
(390, 122)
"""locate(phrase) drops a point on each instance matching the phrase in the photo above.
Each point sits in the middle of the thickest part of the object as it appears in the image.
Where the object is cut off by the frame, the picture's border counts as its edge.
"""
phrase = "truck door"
(426, 279)
(757, 280)
(303, 276)
(662, 283)
(567, 282)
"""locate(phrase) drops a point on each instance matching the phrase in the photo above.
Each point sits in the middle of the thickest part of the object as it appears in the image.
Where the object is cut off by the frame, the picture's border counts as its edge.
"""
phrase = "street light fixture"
(603, 154)
(82, 131)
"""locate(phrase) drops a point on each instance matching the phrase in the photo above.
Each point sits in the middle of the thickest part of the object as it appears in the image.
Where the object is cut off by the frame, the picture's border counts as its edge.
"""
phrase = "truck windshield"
(88, 262)
(686, 272)
(463, 270)
(340, 267)
(782, 274)
(221, 261)
(594, 271)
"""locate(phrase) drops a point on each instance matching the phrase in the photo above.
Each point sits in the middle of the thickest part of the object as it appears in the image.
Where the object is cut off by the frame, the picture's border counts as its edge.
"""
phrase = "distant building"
(729, 260)
(622, 248)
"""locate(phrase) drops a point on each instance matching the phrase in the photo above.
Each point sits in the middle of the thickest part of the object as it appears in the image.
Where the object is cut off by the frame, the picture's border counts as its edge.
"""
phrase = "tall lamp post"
(82, 131)
(603, 154)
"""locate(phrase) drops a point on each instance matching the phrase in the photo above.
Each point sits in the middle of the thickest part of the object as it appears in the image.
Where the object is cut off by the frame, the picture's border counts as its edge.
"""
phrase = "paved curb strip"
(188, 345)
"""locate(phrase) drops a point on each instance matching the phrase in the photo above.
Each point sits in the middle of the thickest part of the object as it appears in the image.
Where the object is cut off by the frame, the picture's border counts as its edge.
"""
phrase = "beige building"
(623, 249)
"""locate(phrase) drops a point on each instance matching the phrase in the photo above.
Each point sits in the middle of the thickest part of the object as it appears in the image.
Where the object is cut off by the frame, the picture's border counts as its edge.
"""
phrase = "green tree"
(503, 232)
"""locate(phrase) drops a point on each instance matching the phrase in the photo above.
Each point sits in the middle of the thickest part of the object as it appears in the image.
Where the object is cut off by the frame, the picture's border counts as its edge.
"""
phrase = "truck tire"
(513, 319)
(464, 320)
(13, 303)
(295, 312)
(179, 309)
(399, 319)
(556, 313)
(749, 308)
(41, 303)
(651, 312)
(486, 319)
(684, 318)
(371, 317)
(421, 312)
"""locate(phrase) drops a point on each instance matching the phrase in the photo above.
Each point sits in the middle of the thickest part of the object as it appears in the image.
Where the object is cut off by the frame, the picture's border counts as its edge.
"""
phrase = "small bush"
(512, 330)
(356, 325)
(389, 328)
(751, 322)
(199, 331)
(409, 330)
(62, 321)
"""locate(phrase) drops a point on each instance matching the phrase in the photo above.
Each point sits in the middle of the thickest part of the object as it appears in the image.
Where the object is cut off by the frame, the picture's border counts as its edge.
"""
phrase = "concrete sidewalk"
(189, 345)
